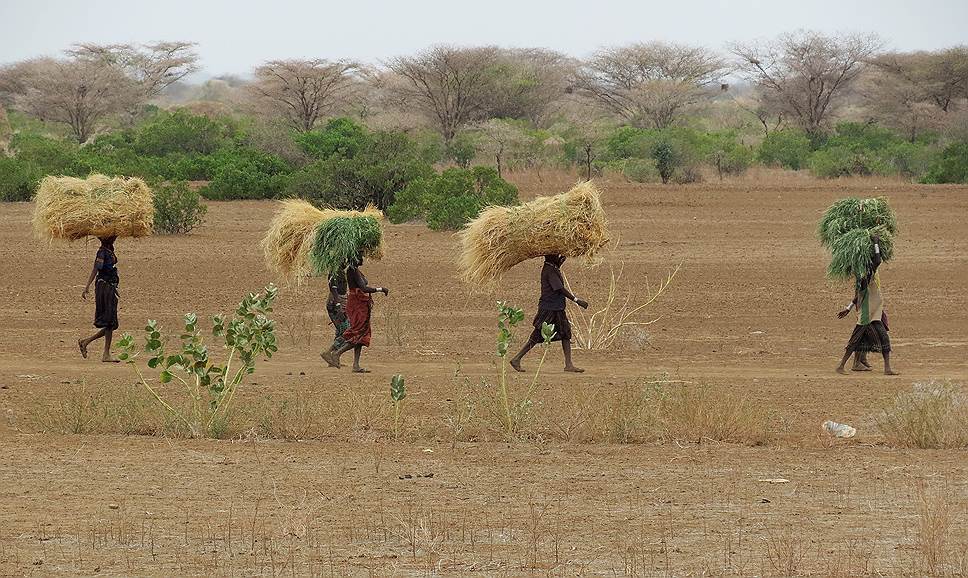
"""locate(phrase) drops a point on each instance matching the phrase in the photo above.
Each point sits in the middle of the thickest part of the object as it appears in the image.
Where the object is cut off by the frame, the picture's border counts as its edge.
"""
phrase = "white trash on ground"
(840, 430)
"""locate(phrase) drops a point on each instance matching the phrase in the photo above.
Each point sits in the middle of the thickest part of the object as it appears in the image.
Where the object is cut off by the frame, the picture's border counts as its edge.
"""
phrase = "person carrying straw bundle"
(860, 235)
(303, 241)
(551, 310)
(571, 224)
(103, 207)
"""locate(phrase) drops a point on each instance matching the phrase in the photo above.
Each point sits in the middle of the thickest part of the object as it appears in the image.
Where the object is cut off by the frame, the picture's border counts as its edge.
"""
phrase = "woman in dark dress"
(336, 308)
(104, 275)
(359, 306)
(551, 309)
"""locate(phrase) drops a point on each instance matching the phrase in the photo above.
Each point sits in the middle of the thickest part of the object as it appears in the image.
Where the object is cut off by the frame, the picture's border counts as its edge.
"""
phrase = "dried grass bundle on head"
(571, 224)
(847, 227)
(98, 206)
(293, 238)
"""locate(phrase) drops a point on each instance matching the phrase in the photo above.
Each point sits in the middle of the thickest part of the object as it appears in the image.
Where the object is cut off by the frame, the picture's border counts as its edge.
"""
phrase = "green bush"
(449, 200)
(44, 155)
(17, 181)
(727, 154)
(462, 150)
(340, 137)
(243, 173)
(636, 170)
(178, 209)
(951, 166)
(181, 132)
(864, 149)
(387, 163)
(789, 148)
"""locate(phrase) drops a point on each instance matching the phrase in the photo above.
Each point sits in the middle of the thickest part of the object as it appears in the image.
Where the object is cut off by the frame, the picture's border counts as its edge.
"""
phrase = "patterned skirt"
(872, 337)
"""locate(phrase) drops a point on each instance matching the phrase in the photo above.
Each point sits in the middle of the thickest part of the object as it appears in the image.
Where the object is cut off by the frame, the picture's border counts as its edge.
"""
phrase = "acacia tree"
(503, 140)
(153, 66)
(806, 74)
(77, 92)
(528, 84)
(448, 86)
(304, 91)
(650, 84)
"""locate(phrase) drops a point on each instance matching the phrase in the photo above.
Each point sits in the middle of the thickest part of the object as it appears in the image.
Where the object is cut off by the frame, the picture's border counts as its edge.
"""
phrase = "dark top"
(552, 289)
(106, 263)
(337, 283)
(355, 278)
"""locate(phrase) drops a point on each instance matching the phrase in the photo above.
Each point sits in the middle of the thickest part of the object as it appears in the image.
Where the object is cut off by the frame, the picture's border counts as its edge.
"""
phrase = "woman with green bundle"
(870, 333)
(359, 306)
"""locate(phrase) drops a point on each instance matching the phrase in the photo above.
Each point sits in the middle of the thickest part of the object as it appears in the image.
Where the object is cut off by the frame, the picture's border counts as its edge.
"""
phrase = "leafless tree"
(304, 91)
(447, 85)
(528, 84)
(806, 74)
(937, 78)
(650, 83)
(765, 108)
(503, 140)
(78, 92)
(153, 66)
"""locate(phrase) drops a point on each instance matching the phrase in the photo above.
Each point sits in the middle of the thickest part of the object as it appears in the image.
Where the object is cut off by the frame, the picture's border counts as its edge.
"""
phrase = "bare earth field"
(330, 493)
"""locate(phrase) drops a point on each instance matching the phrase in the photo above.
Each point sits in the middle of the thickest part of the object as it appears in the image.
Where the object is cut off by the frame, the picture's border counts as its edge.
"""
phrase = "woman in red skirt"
(359, 306)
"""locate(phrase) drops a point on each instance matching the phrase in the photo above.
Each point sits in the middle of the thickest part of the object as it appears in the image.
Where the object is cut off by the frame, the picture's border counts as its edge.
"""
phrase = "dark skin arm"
(356, 280)
(98, 263)
(876, 262)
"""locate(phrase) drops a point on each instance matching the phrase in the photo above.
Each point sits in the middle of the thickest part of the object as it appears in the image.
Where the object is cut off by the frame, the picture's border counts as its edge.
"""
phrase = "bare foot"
(360, 370)
(574, 369)
(891, 372)
(83, 347)
(330, 359)
(841, 371)
(516, 364)
(865, 363)
(860, 368)
(110, 360)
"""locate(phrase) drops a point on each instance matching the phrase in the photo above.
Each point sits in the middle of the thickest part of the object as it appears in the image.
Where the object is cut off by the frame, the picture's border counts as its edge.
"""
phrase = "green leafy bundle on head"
(851, 254)
(338, 240)
(854, 213)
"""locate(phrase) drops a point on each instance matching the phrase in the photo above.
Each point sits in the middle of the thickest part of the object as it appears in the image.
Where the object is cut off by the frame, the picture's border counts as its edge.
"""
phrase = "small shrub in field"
(666, 161)
(789, 148)
(46, 155)
(951, 166)
(640, 170)
(340, 137)
(449, 200)
(181, 132)
(17, 181)
(178, 209)
(462, 150)
(932, 415)
(240, 173)
(210, 387)
(728, 156)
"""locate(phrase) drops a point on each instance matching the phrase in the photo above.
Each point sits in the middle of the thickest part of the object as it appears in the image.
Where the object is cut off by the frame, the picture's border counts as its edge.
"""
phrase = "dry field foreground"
(750, 320)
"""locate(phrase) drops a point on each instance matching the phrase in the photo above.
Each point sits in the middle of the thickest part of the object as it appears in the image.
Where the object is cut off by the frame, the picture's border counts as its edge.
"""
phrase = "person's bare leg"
(516, 360)
(332, 357)
(106, 358)
(863, 360)
(843, 362)
(569, 366)
(357, 352)
(859, 362)
(887, 364)
(83, 343)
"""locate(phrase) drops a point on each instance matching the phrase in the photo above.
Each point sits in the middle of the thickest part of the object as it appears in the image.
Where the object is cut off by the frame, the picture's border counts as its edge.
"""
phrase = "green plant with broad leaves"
(210, 387)
(398, 391)
(508, 317)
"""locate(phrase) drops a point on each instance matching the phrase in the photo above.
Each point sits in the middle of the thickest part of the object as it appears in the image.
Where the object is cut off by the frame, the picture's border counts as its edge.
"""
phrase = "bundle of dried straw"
(571, 224)
(98, 206)
(290, 239)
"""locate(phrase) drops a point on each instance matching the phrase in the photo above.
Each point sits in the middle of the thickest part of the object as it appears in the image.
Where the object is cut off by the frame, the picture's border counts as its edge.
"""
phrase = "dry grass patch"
(932, 415)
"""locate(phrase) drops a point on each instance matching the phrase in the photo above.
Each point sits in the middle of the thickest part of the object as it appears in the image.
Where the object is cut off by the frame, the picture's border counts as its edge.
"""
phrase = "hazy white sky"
(234, 36)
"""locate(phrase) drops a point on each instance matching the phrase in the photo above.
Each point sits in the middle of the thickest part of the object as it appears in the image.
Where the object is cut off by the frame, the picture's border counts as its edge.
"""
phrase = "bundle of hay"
(571, 224)
(846, 229)
(303, 241)
(98, 206)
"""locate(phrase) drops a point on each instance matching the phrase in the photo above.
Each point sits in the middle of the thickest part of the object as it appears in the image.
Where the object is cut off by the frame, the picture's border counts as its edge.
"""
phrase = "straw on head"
(98, 206)
(290, 239)
(571, 224)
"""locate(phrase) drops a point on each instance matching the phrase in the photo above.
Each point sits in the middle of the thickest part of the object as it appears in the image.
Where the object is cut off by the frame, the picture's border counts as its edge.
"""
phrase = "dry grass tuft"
(571, 224)
(933, 415)
(98, 206)
(289, 240)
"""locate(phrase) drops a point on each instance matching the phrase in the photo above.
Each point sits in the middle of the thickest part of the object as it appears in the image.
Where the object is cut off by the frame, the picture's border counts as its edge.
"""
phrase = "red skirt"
(358, 308)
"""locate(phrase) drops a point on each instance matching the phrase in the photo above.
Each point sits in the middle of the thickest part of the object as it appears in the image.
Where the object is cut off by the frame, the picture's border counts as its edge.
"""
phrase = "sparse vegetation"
(932, 415)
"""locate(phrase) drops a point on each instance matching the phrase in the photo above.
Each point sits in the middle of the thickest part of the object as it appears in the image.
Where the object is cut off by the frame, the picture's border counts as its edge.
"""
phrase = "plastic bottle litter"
(840, 430)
